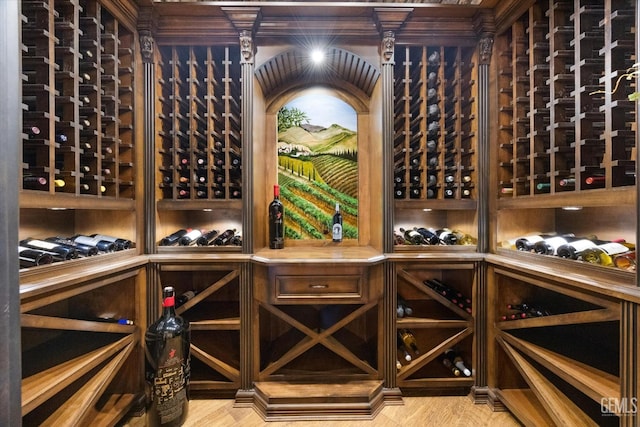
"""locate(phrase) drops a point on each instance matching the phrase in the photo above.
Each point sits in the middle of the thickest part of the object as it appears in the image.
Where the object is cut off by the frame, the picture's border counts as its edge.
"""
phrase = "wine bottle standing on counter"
(337, 225)
(276, 220)
(167, 354)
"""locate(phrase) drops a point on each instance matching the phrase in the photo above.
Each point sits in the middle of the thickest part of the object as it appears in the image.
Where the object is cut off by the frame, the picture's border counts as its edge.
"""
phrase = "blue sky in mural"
(325, 110)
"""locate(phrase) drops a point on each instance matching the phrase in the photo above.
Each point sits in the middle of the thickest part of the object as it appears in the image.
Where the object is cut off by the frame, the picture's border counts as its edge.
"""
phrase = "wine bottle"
(173, 238)
(626, 261)
(413, 237)
(526, 243)
(207, 238)
(573, 250)
(403, 309)
(276, 220)
(120, 244)
(447, 236)
(224, 238)
(449, 365)
(402, 349)
(190, 238)
(409, 340)
(337, 225)
(84, 250)
(457, 361)
(550, 245)
(167, 368)
(34, 183)
(429, 235)
(184, 297)
(465, 238)
(102, 245)
(60, 252)
(32, 257)
(603, 254)
(398, 239)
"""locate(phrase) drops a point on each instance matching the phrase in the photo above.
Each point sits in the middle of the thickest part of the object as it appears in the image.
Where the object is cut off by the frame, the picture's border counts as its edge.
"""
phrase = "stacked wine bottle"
(617, 253)
(34, 252)
(432, 237)
(198, 237)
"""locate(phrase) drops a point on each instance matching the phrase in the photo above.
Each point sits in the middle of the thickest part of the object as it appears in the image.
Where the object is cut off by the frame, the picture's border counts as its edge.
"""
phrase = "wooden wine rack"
(214, 316)
(562, 127)
(435, 123)
(541, 378)
(77, 367)
(78, 85)
(437, 323)
(199, 133)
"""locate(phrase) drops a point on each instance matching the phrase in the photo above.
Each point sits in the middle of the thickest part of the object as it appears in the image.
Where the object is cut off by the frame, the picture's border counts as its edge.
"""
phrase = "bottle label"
(581, 245)
(43, 245)
(532, 239)
(337, 232)
(613, 248)
(169, 388)
(555, 242)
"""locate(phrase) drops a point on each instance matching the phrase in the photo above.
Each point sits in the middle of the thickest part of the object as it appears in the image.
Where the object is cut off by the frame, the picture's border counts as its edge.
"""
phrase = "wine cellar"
(481, 153)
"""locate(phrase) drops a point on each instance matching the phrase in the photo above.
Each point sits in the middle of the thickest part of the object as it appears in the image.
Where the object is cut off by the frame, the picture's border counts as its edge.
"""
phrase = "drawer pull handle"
(319, 286)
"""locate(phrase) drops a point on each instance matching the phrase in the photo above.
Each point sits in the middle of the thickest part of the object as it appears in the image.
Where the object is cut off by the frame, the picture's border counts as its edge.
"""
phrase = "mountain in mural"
(310, 139)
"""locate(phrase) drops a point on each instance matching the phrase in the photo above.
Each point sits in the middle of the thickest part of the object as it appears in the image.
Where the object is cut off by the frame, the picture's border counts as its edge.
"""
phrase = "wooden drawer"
(318, 285)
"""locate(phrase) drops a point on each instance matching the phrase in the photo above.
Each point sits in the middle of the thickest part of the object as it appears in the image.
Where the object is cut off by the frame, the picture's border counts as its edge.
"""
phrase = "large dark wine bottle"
(336, 232)
(276, 220)
(168, 365)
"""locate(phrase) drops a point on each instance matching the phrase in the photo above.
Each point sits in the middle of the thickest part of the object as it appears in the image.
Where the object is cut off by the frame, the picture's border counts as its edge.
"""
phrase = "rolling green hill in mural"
(320, 140)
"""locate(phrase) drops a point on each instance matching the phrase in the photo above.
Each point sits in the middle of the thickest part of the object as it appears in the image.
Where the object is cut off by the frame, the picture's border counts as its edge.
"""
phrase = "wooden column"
(247, 50)
(390, 294)
(10, 123)
(484, 26)
(147, 48)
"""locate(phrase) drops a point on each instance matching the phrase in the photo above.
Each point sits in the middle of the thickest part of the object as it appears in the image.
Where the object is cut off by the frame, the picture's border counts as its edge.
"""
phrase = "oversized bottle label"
(169, 385)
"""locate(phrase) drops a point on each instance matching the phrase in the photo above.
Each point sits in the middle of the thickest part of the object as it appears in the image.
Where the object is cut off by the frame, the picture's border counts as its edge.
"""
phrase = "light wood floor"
(458, 411)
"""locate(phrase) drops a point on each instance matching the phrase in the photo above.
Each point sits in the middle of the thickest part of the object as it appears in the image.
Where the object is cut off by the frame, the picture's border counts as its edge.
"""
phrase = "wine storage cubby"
(435, 306)
(566, 124)
(435, 123)
(78, 80)
(89, 330)
(199, 136)
(559, 361)
(208, 296)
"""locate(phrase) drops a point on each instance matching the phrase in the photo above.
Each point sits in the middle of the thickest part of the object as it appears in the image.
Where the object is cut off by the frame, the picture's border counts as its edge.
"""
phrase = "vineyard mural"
(318, 166)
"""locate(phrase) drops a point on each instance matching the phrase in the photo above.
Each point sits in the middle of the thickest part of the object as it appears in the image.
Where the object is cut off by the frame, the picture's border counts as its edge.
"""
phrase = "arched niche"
(348, 88)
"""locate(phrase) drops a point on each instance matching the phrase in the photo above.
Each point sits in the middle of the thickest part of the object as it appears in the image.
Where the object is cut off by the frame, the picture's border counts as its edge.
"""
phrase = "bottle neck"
(169, 306)
(276, 191)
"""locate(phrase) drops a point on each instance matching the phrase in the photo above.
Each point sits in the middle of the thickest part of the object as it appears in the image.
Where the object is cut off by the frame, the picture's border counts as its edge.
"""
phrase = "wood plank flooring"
(456, 411)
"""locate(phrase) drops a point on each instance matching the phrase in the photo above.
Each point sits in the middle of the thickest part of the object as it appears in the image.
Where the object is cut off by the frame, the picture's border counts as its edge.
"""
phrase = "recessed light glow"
(207, 210)
(317, 56)
(57, 209)
(427, 210)
(572, 208)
